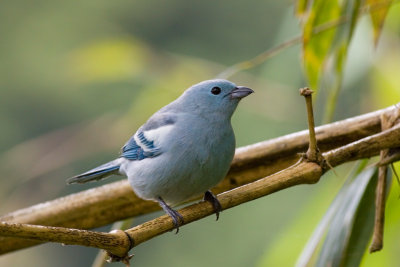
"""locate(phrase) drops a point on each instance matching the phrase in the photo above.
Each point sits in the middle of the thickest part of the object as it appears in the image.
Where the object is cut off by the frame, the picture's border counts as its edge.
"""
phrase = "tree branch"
(300, 173)
(303, 172)
(116, 242)
(96, 207)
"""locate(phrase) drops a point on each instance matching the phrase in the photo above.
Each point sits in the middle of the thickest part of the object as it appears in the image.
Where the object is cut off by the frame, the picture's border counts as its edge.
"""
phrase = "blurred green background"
(77, 79)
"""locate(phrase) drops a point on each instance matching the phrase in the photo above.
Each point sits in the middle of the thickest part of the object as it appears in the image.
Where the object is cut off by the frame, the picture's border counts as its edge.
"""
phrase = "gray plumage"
(183, 150)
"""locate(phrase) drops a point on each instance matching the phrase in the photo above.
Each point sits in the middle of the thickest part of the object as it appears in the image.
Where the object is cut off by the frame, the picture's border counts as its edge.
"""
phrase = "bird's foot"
(176, 217)
(210, 197)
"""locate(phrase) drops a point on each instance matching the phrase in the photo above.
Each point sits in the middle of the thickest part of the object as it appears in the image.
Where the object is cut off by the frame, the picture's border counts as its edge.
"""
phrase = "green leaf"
(309, 252)
(338, 18)
(335, 81)
(316, 47)
(298, 230)
(350, 11)
(363, 224)
(378, 10)
(389, 256)
(301, 7)
(351, 227)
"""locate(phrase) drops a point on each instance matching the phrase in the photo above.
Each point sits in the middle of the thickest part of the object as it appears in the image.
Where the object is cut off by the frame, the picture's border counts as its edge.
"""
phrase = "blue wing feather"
(146, 149)
(133, 151)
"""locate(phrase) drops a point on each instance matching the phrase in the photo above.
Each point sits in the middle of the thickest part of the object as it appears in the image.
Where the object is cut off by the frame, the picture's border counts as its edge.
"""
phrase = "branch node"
(126, 247)
(131, 240)
(305, 91)
(125, 259)
(327, 166)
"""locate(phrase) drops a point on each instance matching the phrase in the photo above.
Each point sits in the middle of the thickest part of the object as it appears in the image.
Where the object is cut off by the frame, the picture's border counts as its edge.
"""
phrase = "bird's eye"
(216, 90)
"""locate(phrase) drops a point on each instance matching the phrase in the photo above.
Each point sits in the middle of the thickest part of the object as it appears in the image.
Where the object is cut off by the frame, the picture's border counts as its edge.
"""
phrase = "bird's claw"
(210, 197)
(176, 217)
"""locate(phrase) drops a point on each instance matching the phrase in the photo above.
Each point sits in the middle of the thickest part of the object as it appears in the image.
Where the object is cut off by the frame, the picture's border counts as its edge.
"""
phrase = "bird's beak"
(240, 91)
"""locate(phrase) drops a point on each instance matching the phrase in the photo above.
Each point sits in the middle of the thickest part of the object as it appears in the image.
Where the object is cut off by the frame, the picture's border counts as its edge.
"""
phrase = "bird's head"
(218, 96)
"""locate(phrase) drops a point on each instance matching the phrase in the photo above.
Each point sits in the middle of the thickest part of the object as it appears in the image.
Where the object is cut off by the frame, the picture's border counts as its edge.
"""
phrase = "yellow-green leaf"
(351, 227)
(339, 58)
(378, 10)
(350, 11)
(301, 7)
(316, 47)
(309, 255)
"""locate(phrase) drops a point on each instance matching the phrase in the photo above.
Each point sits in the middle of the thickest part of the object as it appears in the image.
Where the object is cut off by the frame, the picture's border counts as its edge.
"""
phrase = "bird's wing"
(145, 143)
(139, 147)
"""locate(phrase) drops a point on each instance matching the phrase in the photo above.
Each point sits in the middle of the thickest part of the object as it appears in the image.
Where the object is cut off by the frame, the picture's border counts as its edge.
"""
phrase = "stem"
(313, 151)
(260, 58)
(380, 201)
(387, 122)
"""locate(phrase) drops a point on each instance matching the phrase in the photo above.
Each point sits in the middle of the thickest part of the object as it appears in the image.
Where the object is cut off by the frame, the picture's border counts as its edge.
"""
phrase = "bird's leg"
(210, 197)
(176, 217)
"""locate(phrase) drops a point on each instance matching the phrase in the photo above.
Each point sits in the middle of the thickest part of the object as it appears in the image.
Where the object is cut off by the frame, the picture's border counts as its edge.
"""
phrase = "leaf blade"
(316, 47)
(336, 250)
(309, 251)
(378, 12)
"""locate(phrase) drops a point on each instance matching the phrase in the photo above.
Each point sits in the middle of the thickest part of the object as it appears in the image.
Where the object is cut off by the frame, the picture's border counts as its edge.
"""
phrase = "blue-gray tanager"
(183, 150)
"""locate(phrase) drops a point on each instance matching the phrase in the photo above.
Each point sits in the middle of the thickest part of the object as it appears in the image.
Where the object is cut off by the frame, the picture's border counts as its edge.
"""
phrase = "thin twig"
(313, 153)
(380, 201)
(387, 122)
(389, 159)
(260, 58)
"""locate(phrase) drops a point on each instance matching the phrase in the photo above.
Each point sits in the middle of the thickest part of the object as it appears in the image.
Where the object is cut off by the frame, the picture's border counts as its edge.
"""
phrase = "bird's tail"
(97, 173)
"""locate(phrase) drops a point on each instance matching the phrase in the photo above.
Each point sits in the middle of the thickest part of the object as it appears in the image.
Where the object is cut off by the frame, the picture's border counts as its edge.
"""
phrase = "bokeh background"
(78, 78)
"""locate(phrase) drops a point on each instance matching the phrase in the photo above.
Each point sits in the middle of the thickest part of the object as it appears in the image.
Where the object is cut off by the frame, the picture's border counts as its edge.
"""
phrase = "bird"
(182, 151)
